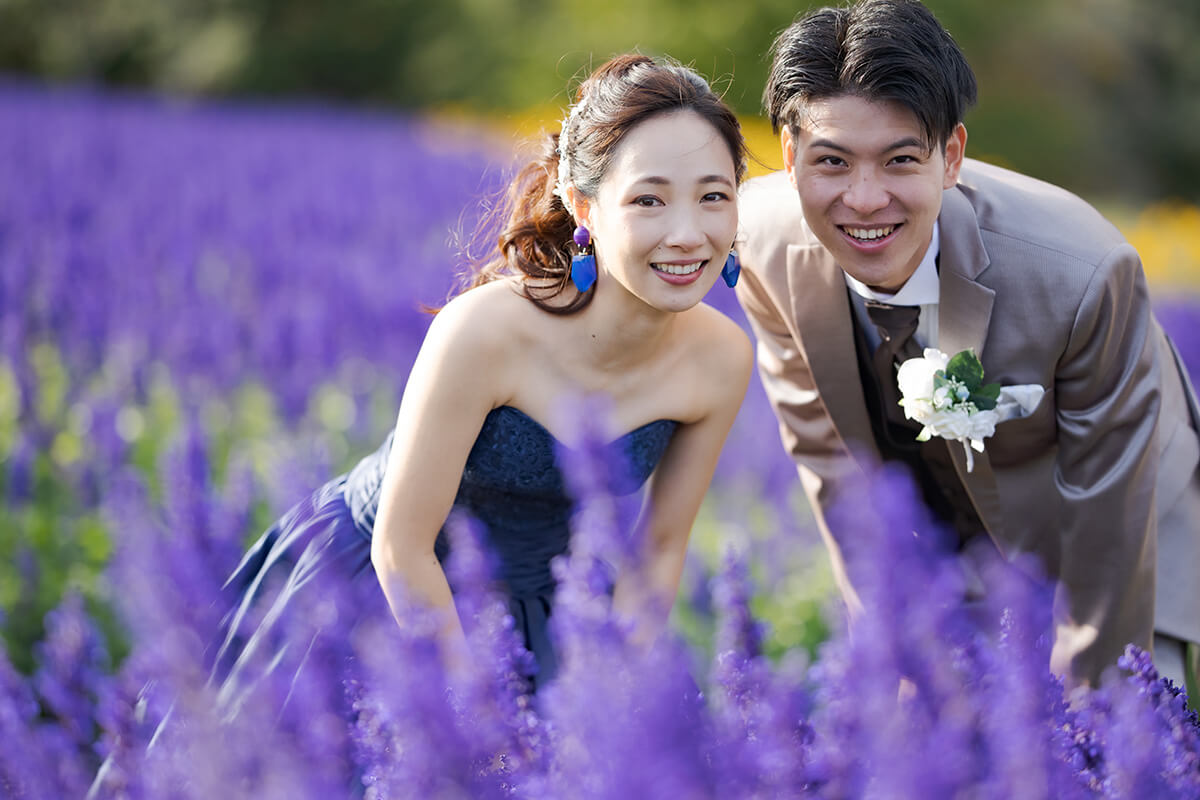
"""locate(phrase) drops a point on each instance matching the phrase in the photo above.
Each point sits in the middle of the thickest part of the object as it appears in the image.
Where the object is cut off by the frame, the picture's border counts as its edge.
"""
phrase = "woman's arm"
(456, 379)
(680, 481)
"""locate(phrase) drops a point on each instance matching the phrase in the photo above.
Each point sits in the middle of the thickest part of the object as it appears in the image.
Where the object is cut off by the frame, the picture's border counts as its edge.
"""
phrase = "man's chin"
(884, 281)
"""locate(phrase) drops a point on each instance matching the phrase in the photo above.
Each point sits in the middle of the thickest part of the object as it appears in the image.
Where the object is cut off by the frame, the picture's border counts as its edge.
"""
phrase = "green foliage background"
(1102, 96)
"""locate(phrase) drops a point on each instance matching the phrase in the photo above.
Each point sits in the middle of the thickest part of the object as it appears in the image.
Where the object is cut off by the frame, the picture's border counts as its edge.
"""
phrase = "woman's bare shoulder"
(493, 299)
(490, 330)
(486, 316)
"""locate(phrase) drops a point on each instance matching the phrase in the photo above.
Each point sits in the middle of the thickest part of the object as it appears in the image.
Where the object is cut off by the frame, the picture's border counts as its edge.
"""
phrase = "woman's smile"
(679, 273)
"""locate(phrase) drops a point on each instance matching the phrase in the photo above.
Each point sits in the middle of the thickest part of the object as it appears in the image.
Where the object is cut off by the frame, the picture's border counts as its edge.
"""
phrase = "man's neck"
(921, 288)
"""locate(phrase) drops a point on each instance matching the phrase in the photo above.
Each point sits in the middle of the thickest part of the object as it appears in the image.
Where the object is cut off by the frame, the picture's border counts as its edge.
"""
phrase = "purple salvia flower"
(24, 773)
(201, 520)
(1020, 703)
(1179, 726)
(306, 693)
(626, 715)
(761, 731)
(72, 669)
(497, 708)
(129, 711)
(408, 740)
(20, 463)
(1136, 764)
(739, 668)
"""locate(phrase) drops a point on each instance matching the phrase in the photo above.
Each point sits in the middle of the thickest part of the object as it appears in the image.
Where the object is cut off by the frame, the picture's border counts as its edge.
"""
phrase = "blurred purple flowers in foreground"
(373, 713)
(205, 310)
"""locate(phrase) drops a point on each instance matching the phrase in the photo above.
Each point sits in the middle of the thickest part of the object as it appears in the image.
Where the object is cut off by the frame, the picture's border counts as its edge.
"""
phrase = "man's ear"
(956, 148)
(788, 145)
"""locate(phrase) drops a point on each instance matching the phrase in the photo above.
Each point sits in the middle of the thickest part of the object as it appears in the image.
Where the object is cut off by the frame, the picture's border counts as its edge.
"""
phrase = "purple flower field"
(208, 310)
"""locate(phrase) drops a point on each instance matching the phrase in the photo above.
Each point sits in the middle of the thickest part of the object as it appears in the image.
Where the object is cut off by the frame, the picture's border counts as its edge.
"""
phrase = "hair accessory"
(731, 270)
(564, 163)
(583, 263)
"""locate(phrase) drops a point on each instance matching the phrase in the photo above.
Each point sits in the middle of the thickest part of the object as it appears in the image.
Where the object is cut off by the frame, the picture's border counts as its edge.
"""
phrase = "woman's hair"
(535, 227)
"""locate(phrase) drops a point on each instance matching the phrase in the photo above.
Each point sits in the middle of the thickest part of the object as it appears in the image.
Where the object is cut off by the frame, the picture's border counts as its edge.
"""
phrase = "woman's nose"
(685, 230)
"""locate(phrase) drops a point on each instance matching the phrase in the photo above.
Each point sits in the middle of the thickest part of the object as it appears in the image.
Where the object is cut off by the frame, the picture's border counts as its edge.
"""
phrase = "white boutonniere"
(948, 396)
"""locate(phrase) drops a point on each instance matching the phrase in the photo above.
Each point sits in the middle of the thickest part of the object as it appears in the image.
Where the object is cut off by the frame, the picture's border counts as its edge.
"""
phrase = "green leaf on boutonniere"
(985, 397)
(965, 367)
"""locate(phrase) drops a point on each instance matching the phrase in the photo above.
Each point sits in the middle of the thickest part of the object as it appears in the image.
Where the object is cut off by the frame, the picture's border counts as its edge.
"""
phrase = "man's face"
(870, 185)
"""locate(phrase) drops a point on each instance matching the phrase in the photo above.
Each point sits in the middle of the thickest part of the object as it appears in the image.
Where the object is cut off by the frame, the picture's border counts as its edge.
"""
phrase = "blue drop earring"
(583, 263)
(731, 270)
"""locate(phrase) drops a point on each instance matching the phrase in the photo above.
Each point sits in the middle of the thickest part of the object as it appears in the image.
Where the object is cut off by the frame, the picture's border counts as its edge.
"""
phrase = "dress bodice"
(512, 484)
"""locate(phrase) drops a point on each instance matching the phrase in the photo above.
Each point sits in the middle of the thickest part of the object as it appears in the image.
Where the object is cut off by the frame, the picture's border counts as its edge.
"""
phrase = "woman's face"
(665, 214)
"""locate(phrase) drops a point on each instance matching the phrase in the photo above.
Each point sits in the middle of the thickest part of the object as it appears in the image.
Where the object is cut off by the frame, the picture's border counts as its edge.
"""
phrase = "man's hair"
(879, 50)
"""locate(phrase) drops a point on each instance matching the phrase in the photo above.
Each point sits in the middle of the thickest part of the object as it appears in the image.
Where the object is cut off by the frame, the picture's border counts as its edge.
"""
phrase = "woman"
(643, 180)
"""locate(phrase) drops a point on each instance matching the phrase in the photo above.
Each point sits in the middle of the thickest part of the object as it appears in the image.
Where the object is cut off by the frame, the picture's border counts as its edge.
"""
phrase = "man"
(877, 225)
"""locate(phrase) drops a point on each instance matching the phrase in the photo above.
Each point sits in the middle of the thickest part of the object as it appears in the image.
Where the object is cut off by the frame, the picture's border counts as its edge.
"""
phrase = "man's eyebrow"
(908, 141)
(828, 144)
(899, 144)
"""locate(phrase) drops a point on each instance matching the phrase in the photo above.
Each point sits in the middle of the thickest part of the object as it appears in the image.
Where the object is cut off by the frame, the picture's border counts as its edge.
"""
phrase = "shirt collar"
(921, 288)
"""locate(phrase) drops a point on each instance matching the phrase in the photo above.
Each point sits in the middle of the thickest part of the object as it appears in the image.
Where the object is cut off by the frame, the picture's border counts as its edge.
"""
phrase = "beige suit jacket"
(1047, 292)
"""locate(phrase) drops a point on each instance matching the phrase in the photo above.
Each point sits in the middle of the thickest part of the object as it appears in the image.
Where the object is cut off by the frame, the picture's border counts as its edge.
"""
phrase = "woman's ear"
(578, 201)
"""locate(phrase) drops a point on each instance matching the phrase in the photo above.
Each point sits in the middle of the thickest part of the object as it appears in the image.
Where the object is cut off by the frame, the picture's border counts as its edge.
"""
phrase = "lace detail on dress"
(515, 456)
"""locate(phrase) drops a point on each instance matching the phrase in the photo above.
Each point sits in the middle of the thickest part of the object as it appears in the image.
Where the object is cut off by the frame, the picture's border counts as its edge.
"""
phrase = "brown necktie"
(946, 494)
(896, 325)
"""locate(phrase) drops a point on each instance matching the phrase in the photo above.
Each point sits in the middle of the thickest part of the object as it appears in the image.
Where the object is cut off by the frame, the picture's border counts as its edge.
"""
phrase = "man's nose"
(866, 193)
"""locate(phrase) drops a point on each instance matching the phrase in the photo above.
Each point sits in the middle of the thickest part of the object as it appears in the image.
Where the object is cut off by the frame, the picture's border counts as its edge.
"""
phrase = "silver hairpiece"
(564, 166)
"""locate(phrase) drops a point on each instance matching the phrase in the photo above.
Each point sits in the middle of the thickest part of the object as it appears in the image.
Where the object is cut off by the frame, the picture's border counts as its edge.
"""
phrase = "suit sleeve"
(1107, 412)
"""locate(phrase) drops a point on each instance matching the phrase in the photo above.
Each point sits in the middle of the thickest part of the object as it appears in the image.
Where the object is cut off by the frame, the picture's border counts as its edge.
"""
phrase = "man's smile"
(869, 237)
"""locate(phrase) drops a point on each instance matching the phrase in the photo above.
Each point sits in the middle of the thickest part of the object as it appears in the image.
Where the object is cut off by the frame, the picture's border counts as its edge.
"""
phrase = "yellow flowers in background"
(1167, 236)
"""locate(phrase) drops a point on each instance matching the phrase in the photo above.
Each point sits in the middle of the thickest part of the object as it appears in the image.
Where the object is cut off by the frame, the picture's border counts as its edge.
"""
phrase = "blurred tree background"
(1102, 96)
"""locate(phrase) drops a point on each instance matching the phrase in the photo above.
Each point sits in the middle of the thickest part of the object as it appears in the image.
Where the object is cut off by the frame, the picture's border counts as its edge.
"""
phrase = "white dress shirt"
(921, 289)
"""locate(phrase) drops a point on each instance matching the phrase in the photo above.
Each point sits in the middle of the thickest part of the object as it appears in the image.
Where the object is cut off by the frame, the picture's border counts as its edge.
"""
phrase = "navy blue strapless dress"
(511, 484)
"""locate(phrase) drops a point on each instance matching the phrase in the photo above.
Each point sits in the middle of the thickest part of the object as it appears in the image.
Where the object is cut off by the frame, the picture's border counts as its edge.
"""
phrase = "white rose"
(915, 380)
(960, 425)
(915, 377)
(941, 397)
(918, 409)
(951, 424)
(983, 425)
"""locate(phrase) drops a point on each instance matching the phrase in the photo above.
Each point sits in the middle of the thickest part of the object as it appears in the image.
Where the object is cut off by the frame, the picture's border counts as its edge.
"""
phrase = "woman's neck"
(622, 332)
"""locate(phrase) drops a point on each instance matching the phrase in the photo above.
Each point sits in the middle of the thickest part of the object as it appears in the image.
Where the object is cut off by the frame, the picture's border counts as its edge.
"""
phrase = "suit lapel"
(964, 306)
(817, 287)
(964, 313)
